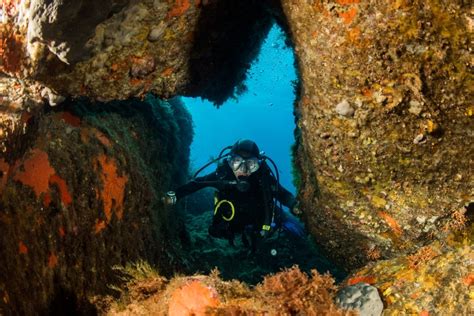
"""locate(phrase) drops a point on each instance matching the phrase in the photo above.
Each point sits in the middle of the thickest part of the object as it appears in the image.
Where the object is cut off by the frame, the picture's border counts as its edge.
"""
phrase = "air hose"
(213, 160)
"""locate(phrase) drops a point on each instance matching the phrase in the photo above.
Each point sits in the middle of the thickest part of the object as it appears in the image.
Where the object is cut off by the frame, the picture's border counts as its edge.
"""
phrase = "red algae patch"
(102, 138)
(22, 249)
(39, 175)
(167, 72)
(180, 7)
(469, 280)
(192, 299)
(99, 226)
(369, 279)
(348, 16)
(4, 167)
(37, 172)
(71, 119)
(392, 223)
(47, 199)
(113, 190)
(52, 261)
(63, 190)
(347, 2)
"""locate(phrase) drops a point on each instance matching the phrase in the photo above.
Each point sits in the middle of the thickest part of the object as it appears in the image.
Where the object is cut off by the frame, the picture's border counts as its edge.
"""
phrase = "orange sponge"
(192, 299)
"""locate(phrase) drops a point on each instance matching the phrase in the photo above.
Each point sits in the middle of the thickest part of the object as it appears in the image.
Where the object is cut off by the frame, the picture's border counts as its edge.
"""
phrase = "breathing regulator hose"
(221, 155)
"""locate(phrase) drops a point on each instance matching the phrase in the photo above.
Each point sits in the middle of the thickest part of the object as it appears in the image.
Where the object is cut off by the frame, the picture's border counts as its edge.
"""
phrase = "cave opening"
(261, 109)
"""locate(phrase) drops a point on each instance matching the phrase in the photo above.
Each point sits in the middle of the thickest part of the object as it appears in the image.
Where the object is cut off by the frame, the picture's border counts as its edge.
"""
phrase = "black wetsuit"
(253, 207)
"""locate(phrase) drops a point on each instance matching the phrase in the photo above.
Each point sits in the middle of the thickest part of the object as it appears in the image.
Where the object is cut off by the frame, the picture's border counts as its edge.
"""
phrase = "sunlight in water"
(264, 113)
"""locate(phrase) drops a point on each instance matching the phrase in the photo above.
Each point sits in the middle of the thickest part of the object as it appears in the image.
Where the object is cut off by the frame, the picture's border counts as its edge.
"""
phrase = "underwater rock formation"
(81, 193)
(80, 185)
(289, 292)
(436, 279)
(385, 148)
(126, 48)
(362, 297)
(120, 49)
(386, 121)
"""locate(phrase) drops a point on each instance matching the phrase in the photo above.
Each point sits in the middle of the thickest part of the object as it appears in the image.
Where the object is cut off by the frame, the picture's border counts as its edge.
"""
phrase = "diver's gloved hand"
(169, 198)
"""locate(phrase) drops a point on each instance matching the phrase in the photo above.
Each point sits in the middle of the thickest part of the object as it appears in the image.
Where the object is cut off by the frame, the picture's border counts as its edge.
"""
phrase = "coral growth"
(125, 49)
(374, 253)
(421, 257)
(289, 292)
(297, 293)
(457, 221)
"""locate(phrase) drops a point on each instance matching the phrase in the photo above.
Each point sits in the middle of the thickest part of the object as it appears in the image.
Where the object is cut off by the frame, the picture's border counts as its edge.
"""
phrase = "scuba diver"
(246, 198)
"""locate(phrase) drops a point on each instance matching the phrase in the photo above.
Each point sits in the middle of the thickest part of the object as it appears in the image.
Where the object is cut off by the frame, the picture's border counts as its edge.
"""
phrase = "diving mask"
(249, 165)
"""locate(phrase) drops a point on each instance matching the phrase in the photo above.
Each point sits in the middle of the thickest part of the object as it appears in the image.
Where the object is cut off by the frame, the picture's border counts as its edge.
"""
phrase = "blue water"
(263, 114)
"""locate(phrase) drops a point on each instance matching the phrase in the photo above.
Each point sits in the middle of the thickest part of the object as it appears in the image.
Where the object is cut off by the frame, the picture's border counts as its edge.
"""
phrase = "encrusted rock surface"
(385, 146)
(81, 193)
(405, 68)
(437, 279)
(119, 48)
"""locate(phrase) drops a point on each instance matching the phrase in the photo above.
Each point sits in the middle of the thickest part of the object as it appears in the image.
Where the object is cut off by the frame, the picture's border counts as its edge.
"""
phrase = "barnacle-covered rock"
(406, 151)
(435, 280)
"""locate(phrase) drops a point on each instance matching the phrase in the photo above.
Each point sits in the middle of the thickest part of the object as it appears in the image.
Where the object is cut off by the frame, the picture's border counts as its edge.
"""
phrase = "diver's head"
(245, 148)
(244, 158)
